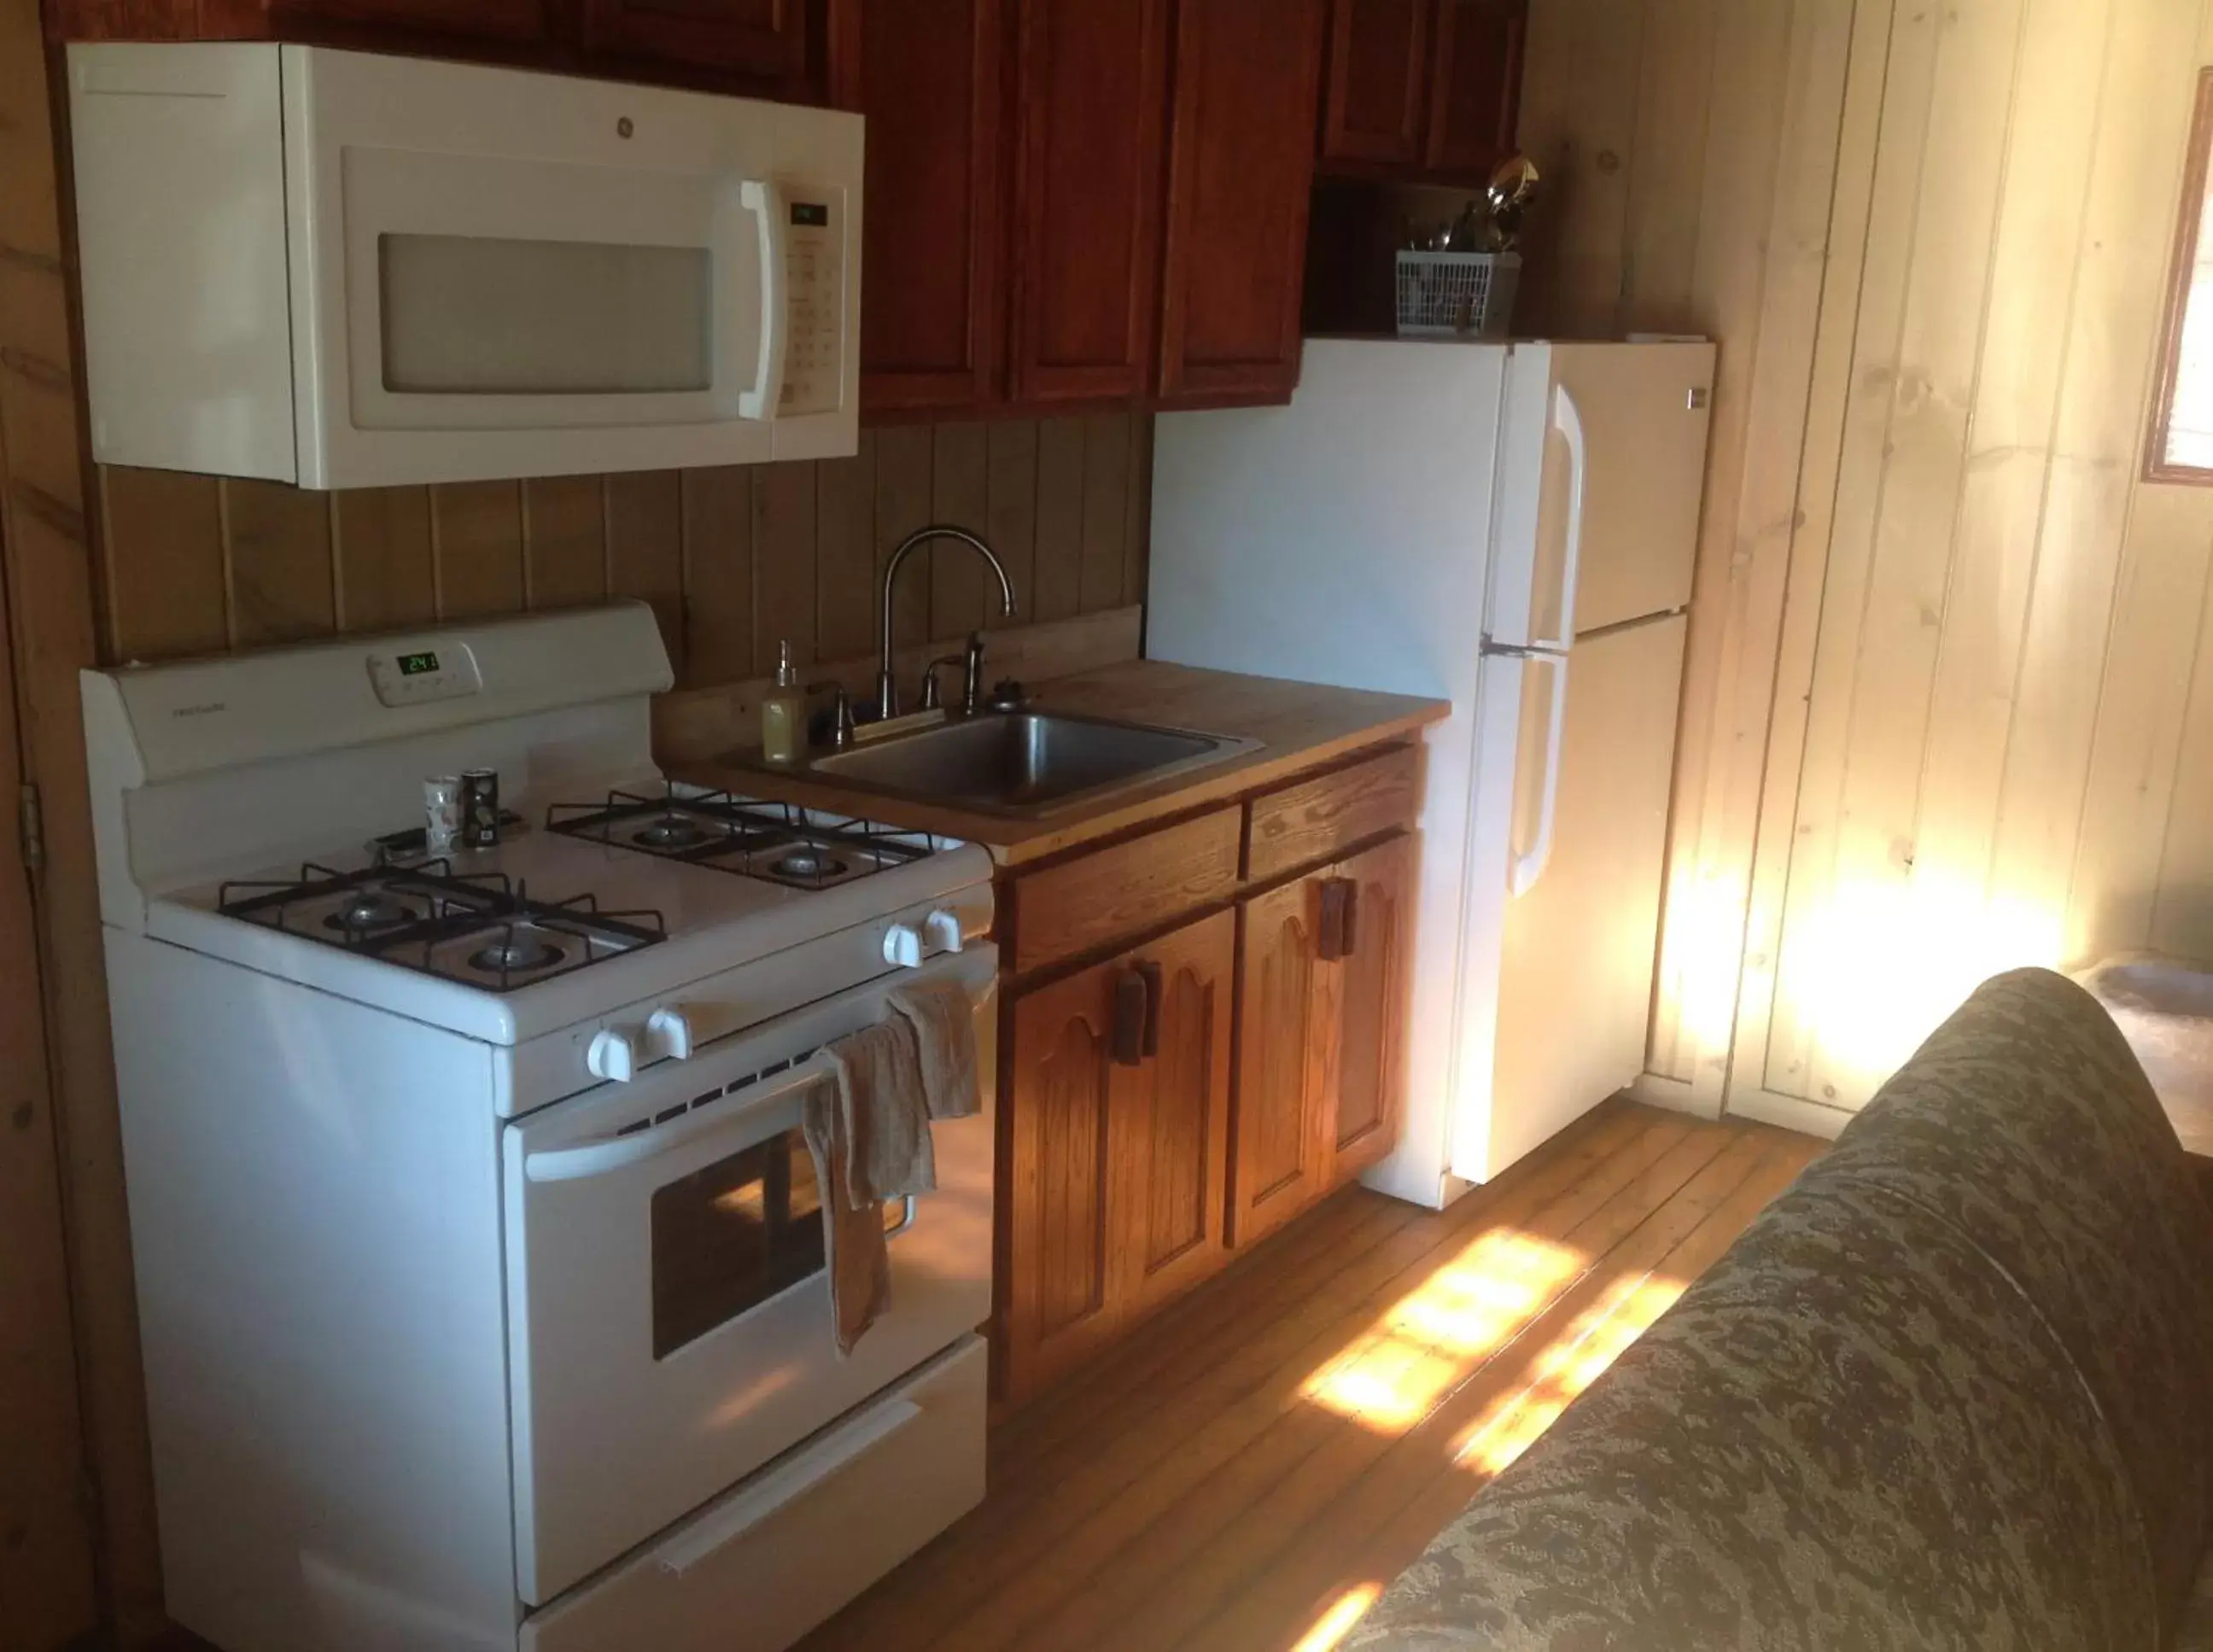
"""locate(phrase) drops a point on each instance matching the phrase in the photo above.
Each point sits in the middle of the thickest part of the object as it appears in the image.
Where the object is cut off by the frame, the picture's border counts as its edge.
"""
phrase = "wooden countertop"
(1300, 726)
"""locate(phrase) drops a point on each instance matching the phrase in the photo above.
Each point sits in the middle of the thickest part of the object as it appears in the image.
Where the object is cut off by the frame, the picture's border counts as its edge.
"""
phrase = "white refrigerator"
(1510, 528)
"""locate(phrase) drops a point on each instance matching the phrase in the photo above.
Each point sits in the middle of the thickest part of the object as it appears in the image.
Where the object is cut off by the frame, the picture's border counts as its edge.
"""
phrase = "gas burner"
(515, 955)
(671, 832)
(777, 843)
(480, 929)
(367, 911)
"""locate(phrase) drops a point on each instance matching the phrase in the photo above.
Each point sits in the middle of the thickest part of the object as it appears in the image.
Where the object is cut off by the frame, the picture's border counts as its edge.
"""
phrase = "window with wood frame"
(2180, 445)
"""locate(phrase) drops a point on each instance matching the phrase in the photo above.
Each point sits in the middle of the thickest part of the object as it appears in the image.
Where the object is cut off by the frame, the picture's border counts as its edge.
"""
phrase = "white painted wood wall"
(1944, 712)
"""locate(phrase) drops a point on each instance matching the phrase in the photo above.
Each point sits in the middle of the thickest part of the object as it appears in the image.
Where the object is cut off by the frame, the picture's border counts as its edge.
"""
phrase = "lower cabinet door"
(1117, 1080)
(1171, 1115)
(1371, 1004)
(1060, 1081)
(1280, 1151)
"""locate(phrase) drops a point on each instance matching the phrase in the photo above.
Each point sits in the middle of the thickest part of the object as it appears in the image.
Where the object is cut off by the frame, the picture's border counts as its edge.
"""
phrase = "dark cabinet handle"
(1150, 972)
(1130, 1005)
(1336, 935)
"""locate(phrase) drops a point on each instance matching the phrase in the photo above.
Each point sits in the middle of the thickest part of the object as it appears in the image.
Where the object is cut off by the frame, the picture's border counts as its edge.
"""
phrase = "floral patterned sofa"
(1954, 1388)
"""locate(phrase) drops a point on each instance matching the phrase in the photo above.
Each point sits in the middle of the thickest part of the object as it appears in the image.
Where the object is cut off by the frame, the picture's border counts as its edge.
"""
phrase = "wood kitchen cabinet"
(1165, 1102)
(511, 21)
(1240, 172)
(1422, 90)
(930, 82)
(1376, 104)
(1320, 1034)
(1279, 1160)
(756, 37)
(1363, 1094)
(1091, 103)
(1475, 87)
(761, 48)
(1118, 1085)
(1074, 204)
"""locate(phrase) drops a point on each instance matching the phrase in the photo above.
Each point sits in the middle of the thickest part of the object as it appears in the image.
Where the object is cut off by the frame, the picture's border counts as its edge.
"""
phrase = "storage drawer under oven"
(668, 1315)
(756, 1569)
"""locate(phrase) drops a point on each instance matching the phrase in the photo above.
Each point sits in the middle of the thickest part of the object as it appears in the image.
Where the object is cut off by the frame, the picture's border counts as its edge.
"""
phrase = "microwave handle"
(764, 200)
(607, 1154)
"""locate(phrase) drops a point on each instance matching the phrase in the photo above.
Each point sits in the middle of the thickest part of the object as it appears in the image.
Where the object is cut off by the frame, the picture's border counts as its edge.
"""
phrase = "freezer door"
(1576, 947)
(1601, 474)
(1643, 409)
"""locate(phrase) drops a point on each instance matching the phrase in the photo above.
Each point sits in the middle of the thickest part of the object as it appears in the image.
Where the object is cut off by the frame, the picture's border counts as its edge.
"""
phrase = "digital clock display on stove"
(417, 665)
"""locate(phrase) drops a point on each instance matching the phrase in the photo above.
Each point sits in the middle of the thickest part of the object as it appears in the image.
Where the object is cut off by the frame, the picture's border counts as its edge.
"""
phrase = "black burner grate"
(774, 842)
(478, 927)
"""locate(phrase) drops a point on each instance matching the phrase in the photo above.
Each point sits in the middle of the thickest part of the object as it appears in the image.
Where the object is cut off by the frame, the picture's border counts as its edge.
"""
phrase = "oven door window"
(731, 1235)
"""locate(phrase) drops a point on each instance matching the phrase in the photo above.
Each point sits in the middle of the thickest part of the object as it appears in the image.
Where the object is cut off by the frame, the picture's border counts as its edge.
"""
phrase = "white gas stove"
(479, 1253)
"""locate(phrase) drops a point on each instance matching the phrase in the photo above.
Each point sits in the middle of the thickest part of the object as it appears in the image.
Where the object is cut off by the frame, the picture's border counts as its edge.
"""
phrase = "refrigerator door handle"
(1525, 869)
(1568, 420)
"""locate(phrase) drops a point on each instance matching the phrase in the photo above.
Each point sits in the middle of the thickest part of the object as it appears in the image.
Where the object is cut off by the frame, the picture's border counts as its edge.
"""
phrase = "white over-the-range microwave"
(342, 269)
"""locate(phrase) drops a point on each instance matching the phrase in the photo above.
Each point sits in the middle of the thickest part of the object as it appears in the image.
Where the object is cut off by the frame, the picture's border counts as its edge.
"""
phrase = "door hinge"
(31, 821)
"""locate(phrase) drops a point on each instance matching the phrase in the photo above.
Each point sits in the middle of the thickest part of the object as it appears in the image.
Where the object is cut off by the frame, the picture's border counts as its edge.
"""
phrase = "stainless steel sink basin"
(1024, 763)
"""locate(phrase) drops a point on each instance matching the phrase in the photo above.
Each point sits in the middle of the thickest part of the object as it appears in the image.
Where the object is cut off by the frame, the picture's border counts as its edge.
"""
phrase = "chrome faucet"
(886, 684)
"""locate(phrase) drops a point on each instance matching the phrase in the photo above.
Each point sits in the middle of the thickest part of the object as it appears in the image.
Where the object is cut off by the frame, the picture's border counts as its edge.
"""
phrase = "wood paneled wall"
(1946, 711)
(734, 560)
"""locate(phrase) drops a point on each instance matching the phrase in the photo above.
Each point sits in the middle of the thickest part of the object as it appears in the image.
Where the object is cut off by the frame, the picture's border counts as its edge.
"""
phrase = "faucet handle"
(841, 712)
(932, 698)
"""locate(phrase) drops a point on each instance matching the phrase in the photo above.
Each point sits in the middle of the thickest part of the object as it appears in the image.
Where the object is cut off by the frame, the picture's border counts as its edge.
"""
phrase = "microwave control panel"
(815, 267)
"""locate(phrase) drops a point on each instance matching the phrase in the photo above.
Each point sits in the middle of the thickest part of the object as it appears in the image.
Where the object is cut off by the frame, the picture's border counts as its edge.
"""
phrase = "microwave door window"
(476, 316)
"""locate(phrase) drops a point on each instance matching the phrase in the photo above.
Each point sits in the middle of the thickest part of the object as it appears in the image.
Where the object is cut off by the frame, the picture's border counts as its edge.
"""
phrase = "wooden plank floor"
(1246, 1471)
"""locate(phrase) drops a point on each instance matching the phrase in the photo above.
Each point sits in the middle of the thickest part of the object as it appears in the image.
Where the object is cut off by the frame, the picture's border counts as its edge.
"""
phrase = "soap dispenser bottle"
(784, 713)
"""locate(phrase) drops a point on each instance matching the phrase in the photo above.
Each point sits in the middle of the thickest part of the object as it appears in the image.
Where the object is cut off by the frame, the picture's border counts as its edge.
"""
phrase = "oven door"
(668, 1315)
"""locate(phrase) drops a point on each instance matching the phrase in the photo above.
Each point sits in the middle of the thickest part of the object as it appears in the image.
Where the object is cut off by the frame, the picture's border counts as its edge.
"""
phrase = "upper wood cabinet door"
(1091, 121)
(1065, 1242)
(1372, 937)
(758, 37)
(1171, 1114)
(931, 84)
(1240, 165)
(1475, 85)
(1279, 1155)
(490, 20)
(1378, 89)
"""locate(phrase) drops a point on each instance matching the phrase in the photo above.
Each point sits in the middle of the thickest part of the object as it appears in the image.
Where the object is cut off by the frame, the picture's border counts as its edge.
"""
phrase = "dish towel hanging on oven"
(867, 1125)
(853, 1255)
(943, 1017)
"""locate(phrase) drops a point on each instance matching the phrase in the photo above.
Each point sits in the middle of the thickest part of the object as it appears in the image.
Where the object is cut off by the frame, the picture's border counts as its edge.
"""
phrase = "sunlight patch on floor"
(1395, 1373)
(1562, 1369)
(1339, 1621)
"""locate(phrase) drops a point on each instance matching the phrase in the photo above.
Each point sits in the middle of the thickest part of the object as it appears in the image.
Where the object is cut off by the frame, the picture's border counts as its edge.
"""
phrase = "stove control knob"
(613, 1055)
(908, 944)
(943, 928)
(669, 1031)
(903, 946)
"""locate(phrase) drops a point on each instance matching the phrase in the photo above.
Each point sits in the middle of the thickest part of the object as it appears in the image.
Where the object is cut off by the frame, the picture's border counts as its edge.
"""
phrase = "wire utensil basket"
(1457, 294)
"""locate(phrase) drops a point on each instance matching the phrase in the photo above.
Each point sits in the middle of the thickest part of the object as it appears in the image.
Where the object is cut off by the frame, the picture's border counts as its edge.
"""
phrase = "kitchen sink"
(1025, 762)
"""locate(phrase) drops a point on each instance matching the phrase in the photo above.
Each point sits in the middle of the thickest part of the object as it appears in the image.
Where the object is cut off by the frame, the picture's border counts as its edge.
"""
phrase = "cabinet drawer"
(1132, 886)
(758, 1568)
(1317, 819)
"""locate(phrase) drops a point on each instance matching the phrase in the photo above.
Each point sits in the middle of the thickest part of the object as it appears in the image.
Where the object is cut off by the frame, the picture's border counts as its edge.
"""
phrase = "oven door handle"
(607, 1154)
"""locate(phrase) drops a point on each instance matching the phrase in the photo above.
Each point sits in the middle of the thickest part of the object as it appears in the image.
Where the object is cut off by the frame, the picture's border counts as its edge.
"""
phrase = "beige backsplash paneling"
(733, 560)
